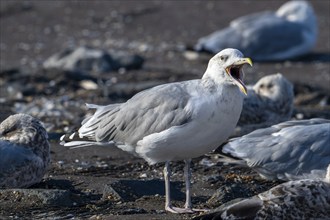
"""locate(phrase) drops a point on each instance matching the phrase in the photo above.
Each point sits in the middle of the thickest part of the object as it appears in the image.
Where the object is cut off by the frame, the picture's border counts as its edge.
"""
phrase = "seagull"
(299, 199)
(24, 151)
(175, 121)
(289, 32)
(287, 151)
(268, 102)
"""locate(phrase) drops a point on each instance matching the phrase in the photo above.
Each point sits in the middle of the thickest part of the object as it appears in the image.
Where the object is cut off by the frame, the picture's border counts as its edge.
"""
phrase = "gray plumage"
(24, 151)
(138, 117)
(269, 102)
(175, 121)
(299, 199)
(289, 32)
(286, 151)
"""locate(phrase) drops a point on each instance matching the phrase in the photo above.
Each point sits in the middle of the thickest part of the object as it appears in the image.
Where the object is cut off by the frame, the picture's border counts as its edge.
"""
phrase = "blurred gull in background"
(300, 199)
(87, 59)
(24, 151)
(269, 102)
(287, 151)
(289, 32)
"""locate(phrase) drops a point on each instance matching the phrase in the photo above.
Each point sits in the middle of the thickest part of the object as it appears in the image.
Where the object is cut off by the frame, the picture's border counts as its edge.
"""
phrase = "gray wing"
(14, 159)
(290, 150)
(147, 112)
(271, 36)
(313, 121)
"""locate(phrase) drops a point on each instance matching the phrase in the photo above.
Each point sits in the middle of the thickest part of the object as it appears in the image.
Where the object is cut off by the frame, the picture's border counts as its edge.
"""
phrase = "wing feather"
(292, 148)
(147, 112)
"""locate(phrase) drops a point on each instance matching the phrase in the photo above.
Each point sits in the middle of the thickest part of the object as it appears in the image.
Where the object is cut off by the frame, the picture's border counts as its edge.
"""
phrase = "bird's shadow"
(134, 189)
(54, 184)
(129, 190)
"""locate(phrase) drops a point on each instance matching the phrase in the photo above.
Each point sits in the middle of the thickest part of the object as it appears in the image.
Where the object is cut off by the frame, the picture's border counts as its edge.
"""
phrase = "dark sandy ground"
(31, 31)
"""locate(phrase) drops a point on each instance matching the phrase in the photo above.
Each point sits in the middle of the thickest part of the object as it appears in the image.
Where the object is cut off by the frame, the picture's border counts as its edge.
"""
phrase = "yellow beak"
(245, 60)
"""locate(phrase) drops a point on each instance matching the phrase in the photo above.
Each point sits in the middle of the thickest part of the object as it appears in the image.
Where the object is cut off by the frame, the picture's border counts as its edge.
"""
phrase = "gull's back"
(19, 166)
(287, 151)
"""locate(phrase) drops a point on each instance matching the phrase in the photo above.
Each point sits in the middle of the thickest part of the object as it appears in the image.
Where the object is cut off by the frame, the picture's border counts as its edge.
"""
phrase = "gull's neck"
(214, 74)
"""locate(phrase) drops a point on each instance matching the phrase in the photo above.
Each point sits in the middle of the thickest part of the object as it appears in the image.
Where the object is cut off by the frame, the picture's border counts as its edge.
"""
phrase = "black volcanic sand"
(105, 182)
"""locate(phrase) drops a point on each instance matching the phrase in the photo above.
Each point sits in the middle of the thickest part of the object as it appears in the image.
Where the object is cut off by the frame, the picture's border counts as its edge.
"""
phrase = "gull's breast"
(212, 124)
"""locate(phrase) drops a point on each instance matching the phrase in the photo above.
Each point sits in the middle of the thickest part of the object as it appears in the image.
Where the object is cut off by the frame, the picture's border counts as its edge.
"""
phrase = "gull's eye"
(223, 58)
(9, 132)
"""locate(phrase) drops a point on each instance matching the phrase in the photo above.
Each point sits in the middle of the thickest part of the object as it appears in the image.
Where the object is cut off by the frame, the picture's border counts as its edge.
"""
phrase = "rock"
(129, 62)
(51, 197)
(88, 85)
(81, 59)
(191, 55)
(9, 72)
(109, 193)
(85, 59)
(133, 211)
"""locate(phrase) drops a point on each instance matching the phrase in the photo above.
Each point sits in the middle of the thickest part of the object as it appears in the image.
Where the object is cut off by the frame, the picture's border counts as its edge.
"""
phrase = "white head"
(226, 66)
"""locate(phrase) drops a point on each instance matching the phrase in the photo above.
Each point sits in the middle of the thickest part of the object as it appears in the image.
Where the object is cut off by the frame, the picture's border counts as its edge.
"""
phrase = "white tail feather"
(80, 144)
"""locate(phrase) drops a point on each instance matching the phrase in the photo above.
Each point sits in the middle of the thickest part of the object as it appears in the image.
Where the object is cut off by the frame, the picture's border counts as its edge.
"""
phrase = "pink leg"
(168, 205)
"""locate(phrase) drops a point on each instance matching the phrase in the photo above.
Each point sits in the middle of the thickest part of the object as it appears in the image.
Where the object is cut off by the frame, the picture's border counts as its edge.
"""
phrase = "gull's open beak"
(236, 72)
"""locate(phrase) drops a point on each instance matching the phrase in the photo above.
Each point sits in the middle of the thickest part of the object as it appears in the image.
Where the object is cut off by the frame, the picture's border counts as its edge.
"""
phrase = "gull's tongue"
(241, 82)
